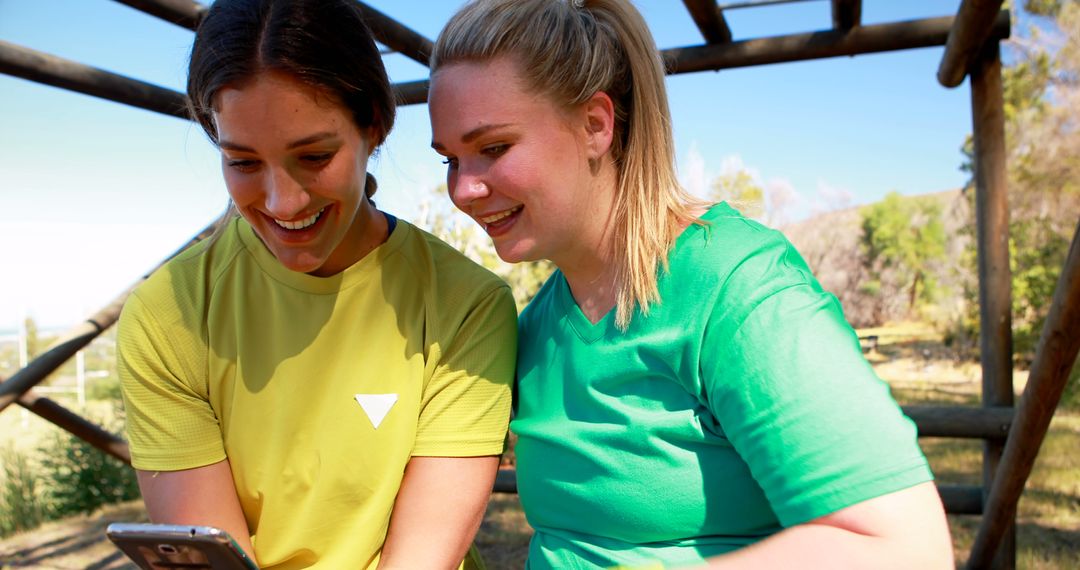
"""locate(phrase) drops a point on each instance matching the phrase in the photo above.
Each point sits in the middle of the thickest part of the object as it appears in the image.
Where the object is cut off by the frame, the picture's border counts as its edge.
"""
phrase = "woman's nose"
(468, 187)
(285, 196)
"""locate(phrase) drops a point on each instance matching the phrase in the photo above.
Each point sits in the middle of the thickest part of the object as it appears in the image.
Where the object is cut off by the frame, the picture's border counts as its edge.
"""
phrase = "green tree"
(741, 191)
(439, 217)
(901, 240)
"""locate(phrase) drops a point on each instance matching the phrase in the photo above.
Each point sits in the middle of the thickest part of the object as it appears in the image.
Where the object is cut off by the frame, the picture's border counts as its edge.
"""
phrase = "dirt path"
(75, 543)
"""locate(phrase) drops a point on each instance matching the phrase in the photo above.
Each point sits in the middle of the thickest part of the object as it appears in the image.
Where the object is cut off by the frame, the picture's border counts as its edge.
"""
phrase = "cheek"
(242, 188)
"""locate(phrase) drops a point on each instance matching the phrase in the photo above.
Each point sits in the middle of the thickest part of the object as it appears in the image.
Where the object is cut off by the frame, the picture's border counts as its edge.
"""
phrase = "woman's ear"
(599, 113)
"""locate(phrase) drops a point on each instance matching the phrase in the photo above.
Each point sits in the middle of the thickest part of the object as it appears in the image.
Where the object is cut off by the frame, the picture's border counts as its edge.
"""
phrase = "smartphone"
(166, 546)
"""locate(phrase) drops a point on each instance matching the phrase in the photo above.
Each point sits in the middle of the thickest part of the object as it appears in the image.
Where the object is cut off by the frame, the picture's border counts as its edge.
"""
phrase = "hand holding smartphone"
(164, 546)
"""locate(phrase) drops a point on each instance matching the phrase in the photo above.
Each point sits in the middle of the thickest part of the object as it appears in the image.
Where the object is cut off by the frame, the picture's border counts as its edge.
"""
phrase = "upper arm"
(200, 496)
(437, 511)
(791, 390)
(170, 422)
(465, 406)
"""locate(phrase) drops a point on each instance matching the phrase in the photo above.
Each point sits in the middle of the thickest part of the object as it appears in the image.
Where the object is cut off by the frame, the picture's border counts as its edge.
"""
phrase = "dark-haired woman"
(325, 382)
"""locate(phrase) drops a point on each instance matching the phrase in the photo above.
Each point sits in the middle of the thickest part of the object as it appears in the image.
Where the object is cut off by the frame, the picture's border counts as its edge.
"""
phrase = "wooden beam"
(846, 14)
(972, 29)
(817, 45)
(961, 499)
(386, 30)
(961, 421)
(992, 240)
(411, 92)
(183, 13)
(75, 339)
(710, 20)
(1054, 358)
(396, 36)
(74, 424)
(52, 70)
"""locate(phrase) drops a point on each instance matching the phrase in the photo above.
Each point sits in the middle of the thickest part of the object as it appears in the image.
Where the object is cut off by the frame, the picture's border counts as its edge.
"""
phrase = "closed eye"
(317, 159)
(496, 150)
(451, 163)
(242, 164)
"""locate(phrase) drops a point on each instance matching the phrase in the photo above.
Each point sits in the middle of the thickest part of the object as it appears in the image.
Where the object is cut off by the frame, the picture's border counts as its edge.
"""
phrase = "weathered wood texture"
(970, 32)
(710, 20)
(1054, 359)
(961, 421)
(51, 70)
(846, 14)
(816, 45)
(74, 340)
(387, 31)
(995, 277)
(74, 424)
(183, 13)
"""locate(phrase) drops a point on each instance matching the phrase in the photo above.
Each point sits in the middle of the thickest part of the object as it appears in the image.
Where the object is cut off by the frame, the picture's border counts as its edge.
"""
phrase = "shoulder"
(181, 287)
(737, 256)
(433, 261)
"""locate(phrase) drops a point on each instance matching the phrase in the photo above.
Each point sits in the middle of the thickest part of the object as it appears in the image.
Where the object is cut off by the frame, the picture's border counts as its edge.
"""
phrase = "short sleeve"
(170, 423)
(465, 407)
(788, 383)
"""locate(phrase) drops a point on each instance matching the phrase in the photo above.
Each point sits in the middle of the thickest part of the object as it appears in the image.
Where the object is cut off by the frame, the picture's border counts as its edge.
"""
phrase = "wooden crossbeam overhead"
(846, 14)
(1054, 358)
(183, 13)
(710, 20)
(52, 412)
(816, 45)
(386, 30)
(972, 29)
(51, 70)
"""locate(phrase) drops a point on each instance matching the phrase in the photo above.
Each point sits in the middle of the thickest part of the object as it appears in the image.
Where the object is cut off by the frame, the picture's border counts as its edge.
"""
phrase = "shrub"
(80, 478)
(20, 503)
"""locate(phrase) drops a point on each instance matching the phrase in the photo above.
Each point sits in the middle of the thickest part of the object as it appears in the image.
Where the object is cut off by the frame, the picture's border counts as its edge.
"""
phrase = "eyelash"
(495, 151)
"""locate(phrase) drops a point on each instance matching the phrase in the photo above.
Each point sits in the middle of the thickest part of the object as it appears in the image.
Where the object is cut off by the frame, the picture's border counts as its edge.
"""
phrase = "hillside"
(830, 244)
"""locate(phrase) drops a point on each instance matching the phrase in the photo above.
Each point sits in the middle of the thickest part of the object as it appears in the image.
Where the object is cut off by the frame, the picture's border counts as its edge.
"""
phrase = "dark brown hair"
(324, 43)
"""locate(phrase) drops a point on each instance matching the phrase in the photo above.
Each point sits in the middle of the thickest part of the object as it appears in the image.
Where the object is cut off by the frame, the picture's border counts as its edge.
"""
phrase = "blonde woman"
(687, 393)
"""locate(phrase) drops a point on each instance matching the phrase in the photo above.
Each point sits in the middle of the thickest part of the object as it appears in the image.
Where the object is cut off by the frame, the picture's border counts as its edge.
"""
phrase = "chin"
(516, 254)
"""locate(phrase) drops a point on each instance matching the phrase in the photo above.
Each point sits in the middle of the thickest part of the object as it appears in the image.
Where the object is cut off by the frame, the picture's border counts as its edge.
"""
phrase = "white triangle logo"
(376, 406)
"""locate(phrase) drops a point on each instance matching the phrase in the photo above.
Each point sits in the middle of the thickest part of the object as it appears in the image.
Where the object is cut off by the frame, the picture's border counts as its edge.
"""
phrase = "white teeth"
(300, 224)
(501, 215)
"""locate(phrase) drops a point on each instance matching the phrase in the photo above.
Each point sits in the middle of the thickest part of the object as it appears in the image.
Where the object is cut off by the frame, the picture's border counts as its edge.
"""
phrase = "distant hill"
(830, 244)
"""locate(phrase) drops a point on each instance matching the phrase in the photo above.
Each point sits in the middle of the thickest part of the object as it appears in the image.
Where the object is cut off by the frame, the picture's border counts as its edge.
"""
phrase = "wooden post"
(1054, 358)
(969, 34)
(995, 277)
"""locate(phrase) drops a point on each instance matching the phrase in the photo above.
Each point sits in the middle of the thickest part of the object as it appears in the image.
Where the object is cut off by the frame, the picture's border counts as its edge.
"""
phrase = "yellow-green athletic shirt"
(317, 390)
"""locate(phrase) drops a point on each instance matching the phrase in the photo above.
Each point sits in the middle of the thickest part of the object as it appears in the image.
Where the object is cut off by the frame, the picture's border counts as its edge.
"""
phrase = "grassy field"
(911, 358)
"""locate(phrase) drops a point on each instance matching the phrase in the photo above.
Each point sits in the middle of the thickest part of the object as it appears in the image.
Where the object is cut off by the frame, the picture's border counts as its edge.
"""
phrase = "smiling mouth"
(300, 224)
(494, 218)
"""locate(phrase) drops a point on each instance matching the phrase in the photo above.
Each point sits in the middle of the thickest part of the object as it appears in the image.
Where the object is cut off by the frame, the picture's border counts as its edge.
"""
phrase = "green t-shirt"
(740, 405)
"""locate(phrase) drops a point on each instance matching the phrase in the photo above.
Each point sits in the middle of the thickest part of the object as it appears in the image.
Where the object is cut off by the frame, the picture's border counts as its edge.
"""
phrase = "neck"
(590, 268)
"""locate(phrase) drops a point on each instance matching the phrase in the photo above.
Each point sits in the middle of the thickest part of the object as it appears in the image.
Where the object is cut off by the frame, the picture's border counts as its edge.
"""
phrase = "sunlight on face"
(295, 165)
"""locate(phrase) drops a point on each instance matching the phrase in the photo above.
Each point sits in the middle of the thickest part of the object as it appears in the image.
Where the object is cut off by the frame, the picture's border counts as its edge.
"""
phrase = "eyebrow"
(317, 137)
(473, 134)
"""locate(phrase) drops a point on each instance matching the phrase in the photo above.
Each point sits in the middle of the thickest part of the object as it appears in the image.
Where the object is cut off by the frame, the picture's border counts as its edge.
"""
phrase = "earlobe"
(599, 123)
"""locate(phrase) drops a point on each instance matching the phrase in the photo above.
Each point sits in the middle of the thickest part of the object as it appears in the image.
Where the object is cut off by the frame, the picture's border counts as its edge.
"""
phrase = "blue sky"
(94, 193)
